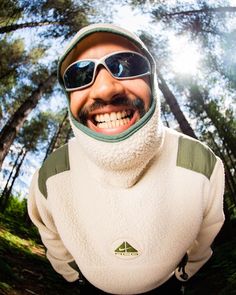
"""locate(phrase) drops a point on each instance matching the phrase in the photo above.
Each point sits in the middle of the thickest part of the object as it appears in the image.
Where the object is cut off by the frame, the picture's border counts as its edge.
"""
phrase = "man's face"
(109, 106)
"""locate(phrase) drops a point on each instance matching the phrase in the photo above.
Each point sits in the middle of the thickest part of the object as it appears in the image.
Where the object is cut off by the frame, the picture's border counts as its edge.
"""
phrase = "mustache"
(137, 104)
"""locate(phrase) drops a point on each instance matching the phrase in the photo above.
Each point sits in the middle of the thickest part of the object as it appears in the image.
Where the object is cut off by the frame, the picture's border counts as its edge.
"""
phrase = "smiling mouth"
(113, 122)
(114, 119)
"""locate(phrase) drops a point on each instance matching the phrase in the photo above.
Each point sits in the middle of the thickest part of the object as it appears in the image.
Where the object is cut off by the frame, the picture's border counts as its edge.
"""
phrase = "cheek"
(141, 88)
(76, 102)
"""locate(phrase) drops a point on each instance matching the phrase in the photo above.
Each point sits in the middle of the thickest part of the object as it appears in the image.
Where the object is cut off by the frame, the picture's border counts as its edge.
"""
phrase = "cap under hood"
(120, 158)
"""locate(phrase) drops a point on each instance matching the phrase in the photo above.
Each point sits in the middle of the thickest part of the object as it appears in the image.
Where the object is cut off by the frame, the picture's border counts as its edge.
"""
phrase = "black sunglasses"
(121, 65)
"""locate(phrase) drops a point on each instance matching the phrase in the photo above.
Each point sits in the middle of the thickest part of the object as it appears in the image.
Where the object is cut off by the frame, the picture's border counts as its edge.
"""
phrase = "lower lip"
(116, 130)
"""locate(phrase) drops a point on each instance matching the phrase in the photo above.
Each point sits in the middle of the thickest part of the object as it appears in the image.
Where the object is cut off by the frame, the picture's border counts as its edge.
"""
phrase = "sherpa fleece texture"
(176, 206)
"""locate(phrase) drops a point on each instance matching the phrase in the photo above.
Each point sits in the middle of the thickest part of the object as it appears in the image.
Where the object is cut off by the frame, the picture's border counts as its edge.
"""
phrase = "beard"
(136, 104)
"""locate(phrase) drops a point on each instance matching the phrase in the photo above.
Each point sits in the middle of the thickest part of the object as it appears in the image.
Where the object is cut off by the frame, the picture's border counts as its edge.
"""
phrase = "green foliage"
(16, 220)
(4, 287)
(200, 17)
(15, 64)
(228, 65)
(62, 18)
(70, 19)
(36, 53)
(23, 265)
(34, 131)
(16, 208)
(218, 275)
(10, 11)
(12, 55)
(206, 108)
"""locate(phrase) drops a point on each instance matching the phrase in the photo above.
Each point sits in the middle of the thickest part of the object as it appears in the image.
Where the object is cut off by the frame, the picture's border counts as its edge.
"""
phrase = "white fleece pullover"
(124, 212)
(171, 210)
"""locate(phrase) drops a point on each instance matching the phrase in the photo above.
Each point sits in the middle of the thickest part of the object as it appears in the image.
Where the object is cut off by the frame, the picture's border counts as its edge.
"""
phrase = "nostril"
(105, 86)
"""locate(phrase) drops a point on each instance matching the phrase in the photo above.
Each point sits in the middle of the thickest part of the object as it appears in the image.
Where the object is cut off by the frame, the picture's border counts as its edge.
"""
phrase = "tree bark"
(175, 108)
(10, 175)
(5, 197)
(55, 137)
(230, 182)
(68, 135)
(203, 10)
(10, 130)
(14, 27)
(227, 137)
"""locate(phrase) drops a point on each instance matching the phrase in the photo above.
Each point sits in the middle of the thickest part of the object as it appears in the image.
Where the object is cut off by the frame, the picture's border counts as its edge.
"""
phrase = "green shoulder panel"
(195, 156)
(56, 163)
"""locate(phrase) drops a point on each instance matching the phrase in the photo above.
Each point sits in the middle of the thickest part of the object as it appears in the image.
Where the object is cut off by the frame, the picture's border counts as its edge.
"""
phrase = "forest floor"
(24, 270)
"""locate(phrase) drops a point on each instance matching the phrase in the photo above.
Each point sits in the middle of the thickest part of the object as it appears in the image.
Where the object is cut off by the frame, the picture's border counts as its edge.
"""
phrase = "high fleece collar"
(122, 163)
(122, 156)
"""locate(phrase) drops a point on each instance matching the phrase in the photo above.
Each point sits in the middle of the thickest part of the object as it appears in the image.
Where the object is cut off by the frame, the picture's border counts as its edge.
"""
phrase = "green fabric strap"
(56, 163)
(195, 156)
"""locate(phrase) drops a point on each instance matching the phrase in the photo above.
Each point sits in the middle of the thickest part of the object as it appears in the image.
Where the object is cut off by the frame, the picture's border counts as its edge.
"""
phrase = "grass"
(24, 270)
(218, 276)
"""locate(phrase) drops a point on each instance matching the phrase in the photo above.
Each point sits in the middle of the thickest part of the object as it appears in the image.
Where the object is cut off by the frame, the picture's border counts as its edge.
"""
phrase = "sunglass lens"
(126, 64)
(79, 74)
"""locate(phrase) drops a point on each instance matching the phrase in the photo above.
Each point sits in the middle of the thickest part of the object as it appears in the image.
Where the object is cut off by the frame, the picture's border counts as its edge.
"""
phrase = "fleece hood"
(69, 56)
(121, 158)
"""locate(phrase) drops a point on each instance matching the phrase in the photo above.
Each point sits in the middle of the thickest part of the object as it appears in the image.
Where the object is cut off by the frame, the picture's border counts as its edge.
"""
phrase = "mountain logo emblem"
(125, 249)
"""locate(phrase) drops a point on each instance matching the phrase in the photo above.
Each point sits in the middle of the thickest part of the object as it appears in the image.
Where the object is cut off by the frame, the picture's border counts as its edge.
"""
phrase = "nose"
(105, 87)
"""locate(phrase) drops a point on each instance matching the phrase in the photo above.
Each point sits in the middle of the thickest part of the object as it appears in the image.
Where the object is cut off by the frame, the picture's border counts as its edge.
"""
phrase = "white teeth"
(106, 117)
(113, 120)
(112, 116)
(118, 115)
(123, 114)
(97, 118)
(113, 124)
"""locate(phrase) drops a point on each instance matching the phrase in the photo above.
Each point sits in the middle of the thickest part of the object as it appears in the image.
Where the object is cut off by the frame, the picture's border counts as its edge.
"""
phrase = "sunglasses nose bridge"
(98, 66)
(104, 85)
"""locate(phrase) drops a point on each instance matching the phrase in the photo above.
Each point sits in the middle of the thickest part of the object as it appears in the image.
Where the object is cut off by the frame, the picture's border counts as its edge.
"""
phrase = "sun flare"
(185, 55)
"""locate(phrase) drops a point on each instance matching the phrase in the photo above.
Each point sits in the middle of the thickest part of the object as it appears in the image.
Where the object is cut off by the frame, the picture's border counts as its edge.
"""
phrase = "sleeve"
(213, 220)
(59, 257)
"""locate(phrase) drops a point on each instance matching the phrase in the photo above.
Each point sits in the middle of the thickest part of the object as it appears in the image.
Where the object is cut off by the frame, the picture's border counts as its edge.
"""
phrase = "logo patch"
(125, 249)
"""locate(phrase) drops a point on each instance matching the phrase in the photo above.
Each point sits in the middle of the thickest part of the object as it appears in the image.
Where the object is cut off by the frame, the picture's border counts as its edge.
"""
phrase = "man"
(128, 205)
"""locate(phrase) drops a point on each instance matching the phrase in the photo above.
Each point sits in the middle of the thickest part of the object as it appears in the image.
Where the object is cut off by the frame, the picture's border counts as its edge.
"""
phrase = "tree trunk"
(68, 135)
(216, 119)
(55, 137)
(222, 9)
(175, 108)
(230, 182)
(10, 175)
(6, 196)
(14, 27)
(10, 130)
(226, 137)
